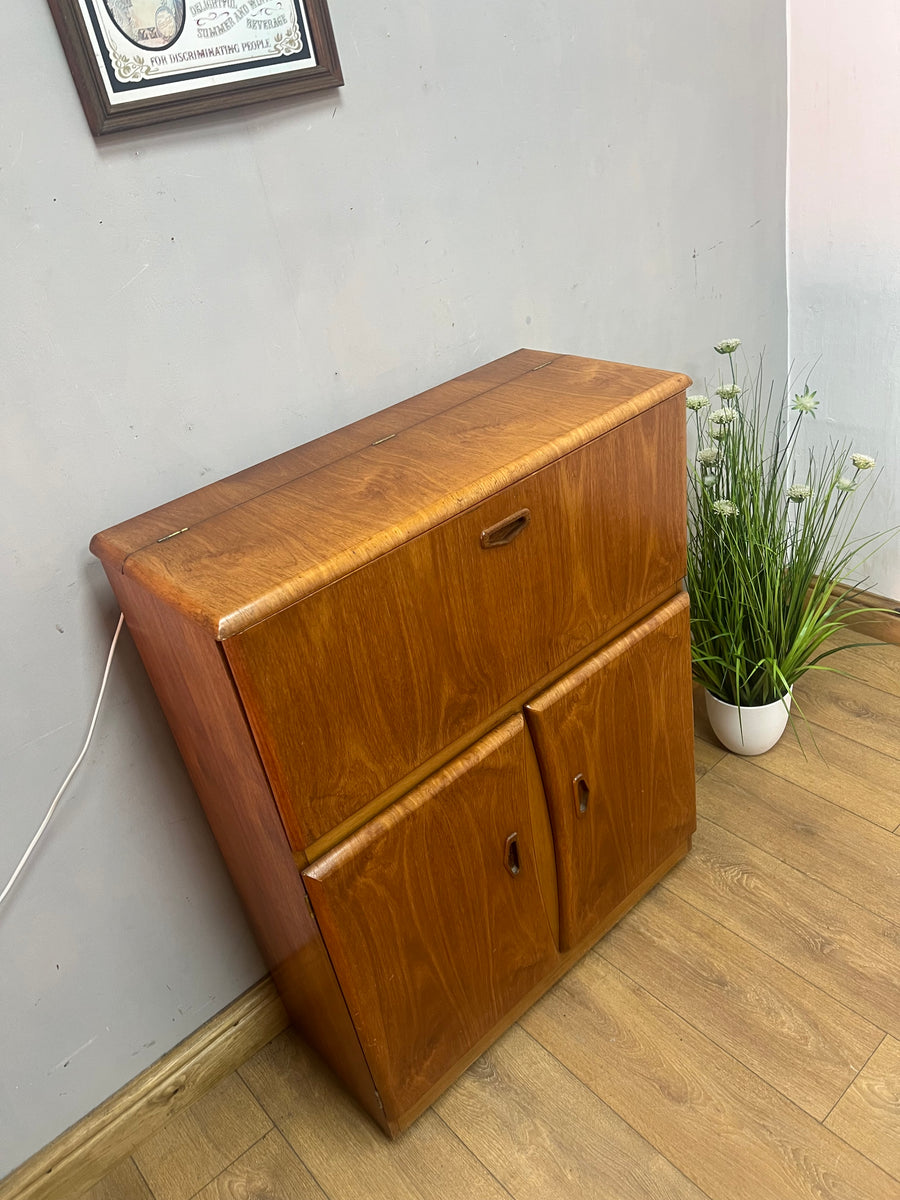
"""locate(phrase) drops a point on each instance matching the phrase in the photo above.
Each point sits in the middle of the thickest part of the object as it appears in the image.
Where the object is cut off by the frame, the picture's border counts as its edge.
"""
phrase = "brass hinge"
(174, 533)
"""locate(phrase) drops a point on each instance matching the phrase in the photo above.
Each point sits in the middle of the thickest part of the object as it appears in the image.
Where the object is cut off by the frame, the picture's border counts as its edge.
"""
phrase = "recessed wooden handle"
(504, 531)
(582, 794)
(511, 854)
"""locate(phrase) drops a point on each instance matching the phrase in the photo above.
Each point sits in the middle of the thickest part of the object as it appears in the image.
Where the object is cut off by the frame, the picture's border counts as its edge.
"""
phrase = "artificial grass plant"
(772, 551)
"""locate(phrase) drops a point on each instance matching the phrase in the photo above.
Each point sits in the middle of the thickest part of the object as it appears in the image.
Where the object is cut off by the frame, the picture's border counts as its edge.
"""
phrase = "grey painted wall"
(180, 302)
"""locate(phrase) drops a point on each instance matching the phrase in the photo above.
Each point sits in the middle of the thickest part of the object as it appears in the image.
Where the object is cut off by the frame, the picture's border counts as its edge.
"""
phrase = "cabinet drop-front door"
(440, 914)
(614, 740)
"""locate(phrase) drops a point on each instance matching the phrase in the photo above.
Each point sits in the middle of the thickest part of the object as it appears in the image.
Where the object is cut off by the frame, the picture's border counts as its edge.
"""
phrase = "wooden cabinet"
(430, 675)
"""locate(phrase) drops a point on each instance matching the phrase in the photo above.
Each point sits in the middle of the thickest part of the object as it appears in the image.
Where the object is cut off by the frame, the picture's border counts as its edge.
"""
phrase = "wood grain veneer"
(615, 746)
(461, 629)
(191, 680)
(342, 640)
(241, 562)
(405, 784)
(434, 937)
(564, 962)
(118, 542)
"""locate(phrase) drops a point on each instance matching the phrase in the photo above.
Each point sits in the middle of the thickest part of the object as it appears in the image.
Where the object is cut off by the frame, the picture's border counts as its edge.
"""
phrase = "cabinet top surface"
(237, 551)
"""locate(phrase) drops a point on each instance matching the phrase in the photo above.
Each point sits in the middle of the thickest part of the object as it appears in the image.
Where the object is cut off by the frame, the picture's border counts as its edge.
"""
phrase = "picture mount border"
(105, 117)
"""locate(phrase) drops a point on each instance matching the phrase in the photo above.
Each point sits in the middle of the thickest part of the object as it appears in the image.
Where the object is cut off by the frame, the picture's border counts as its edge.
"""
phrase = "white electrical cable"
(56, 799)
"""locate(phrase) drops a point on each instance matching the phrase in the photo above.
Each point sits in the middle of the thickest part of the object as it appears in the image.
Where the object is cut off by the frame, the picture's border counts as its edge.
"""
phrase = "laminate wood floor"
(735, 1037)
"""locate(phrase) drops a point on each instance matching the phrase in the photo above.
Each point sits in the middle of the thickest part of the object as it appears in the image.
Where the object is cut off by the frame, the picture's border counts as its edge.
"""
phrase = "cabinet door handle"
(511, 855)
(582, 794)
(506, 530)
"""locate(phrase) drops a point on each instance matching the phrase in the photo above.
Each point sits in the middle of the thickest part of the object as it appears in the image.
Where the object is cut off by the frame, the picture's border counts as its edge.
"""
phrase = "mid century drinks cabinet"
(430, 676)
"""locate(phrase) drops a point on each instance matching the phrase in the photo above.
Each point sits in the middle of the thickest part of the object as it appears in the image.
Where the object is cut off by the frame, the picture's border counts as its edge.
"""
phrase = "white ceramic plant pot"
(748, 730)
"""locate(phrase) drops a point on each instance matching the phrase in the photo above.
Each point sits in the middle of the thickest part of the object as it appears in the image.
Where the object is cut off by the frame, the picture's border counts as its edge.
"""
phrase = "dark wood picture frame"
(225, 84)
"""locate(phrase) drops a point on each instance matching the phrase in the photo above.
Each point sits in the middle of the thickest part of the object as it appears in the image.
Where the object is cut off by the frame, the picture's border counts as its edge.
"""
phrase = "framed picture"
(137, 62)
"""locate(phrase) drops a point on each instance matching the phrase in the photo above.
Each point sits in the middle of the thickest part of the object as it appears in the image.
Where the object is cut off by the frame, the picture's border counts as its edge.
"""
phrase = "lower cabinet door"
(440, 913)
(614, 739)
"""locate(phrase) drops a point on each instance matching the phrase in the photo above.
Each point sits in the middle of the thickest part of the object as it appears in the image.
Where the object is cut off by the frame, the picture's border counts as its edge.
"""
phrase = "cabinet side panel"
(188, 672)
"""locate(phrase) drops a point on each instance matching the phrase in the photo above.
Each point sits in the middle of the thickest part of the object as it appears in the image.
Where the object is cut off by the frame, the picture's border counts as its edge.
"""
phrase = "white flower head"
(725, 508)
(708, 455)
(695, 403)
(728, 391)
(723, 416)
(806, 402)
(862, 462)
(719, 432)
(845, 485)
(728, 346)
(798, 492)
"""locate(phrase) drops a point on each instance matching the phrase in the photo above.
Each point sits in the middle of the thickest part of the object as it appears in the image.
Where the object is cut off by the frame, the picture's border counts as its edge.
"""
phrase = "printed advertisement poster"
(153, 47)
